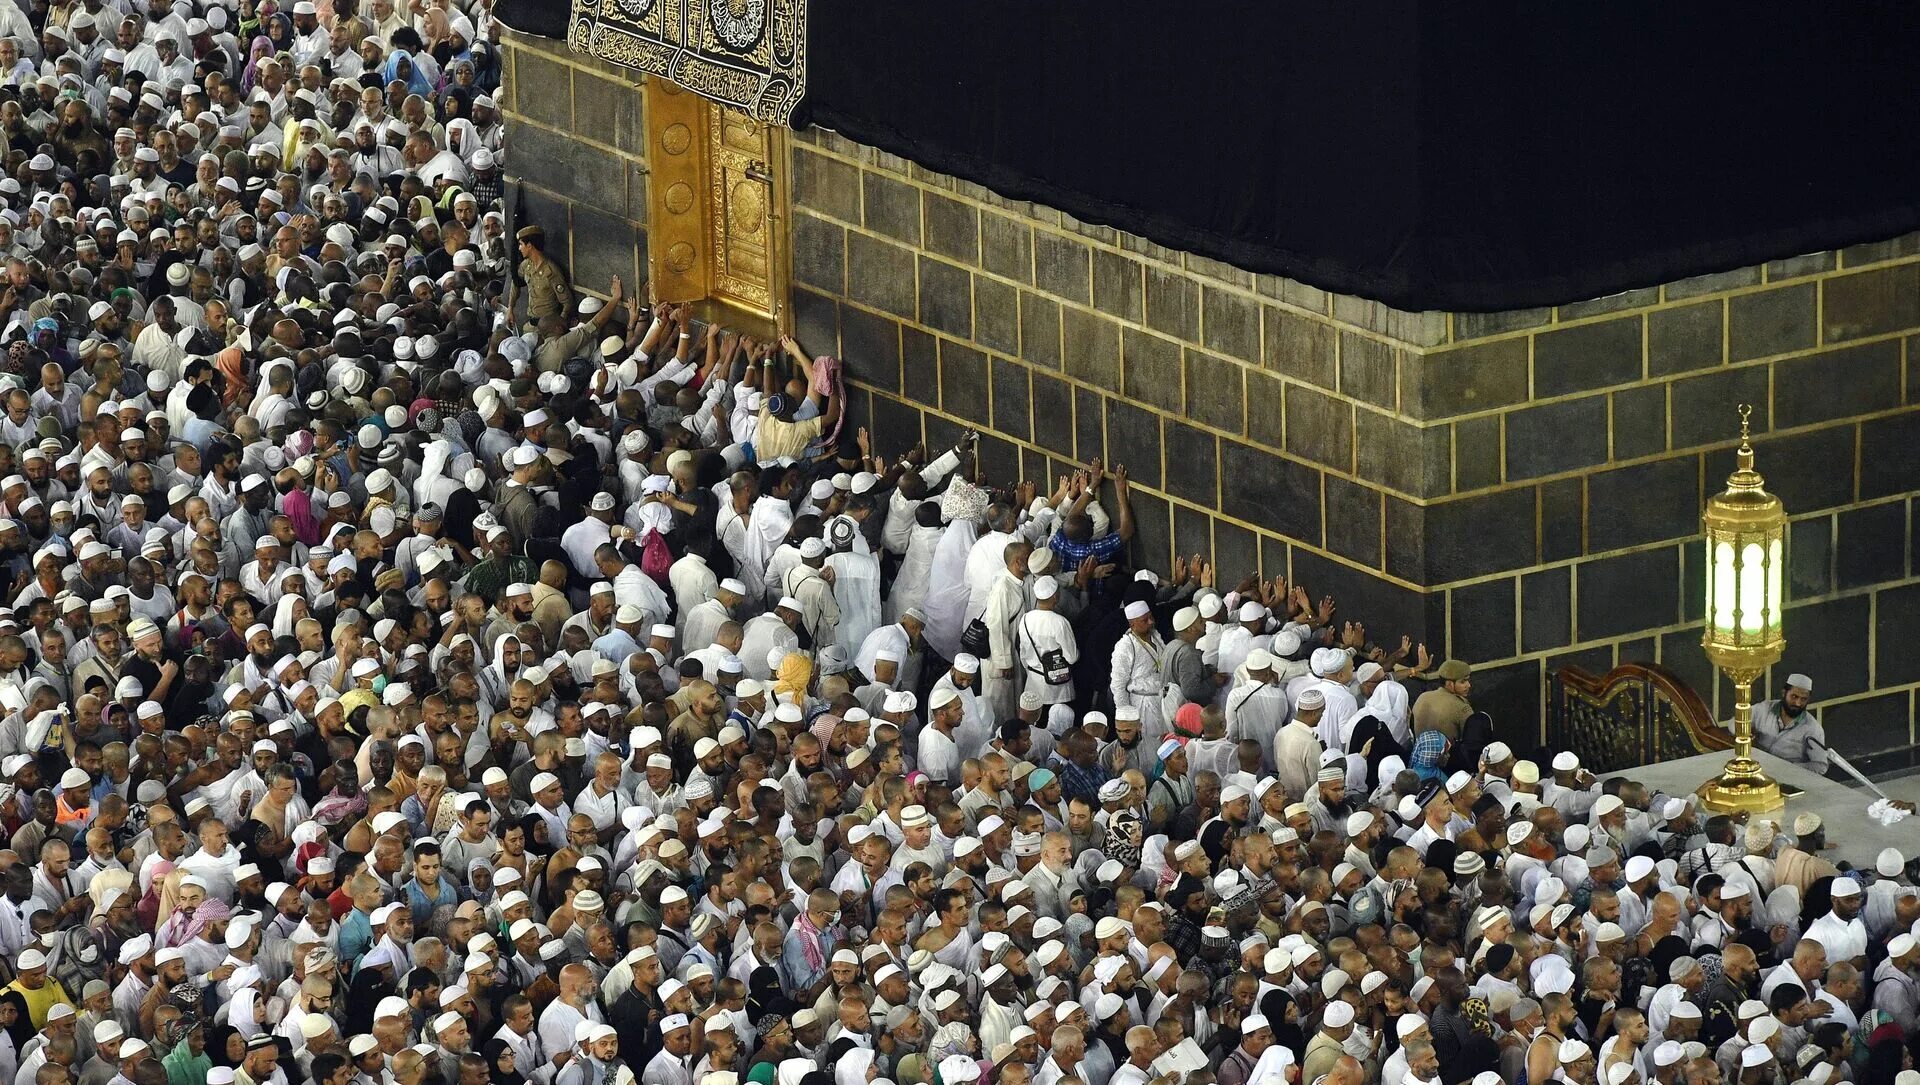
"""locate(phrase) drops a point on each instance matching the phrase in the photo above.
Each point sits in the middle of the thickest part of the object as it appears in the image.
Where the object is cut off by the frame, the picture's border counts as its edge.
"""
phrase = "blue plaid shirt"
(1072, 553)
(1079, 783)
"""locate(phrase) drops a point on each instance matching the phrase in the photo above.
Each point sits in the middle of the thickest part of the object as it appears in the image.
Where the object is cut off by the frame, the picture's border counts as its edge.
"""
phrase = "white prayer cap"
(1339, 1013)
(1137, 610)
(1800, 682)
(1328, 661)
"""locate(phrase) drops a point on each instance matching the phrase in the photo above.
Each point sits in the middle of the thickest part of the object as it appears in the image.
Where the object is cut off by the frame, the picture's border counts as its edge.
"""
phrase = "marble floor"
(1854, 837)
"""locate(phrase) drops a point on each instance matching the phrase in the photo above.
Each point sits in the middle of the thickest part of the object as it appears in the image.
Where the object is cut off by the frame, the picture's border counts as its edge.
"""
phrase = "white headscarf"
(1389, 705)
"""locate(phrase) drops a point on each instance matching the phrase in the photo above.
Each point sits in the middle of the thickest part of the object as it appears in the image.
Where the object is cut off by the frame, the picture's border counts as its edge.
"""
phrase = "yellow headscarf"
(796, 674)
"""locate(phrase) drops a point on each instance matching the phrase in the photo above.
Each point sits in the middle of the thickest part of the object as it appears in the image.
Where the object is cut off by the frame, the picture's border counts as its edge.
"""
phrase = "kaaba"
(1442, 308)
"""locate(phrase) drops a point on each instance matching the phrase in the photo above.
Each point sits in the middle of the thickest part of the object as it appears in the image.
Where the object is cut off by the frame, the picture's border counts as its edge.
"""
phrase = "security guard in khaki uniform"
(548, 296)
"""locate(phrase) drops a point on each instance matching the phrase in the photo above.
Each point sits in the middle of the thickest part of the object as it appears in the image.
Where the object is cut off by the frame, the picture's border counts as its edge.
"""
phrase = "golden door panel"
(715, 233)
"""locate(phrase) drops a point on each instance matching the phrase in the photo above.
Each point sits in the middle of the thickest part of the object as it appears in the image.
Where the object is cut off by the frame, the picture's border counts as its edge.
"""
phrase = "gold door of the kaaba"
(716, 222)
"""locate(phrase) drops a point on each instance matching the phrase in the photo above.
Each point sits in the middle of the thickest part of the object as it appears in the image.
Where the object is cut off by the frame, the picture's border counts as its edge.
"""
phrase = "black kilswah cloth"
(1474, 156)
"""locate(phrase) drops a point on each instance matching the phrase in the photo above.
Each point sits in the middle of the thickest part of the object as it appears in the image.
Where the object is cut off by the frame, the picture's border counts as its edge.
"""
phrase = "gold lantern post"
(1746, 531)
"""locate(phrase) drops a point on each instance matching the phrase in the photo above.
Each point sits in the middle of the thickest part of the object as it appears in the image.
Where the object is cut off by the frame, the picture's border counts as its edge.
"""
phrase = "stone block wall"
(1518, 489)
(576, 158)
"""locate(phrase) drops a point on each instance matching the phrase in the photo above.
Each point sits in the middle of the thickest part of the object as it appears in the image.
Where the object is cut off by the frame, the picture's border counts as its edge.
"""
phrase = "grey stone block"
(963, 382)
(1369, 370)
(1266, 409)
(1586, 356)
(1133, 438)
(880, 275)
(826, 185)
(870, 343)
(1118, 287)
(1771, 322)
(1556, 437)
(1704, 406)
(1477, 377)
(1301, 347)
(1686, 338)
(1400, 455)
(1173, 302)
(1353, 515)
(1092, 347)
(1089, 426)
(919, 364)
(1214, 390)
(1793, 267)
(1873, 252)
(946, 298)
(1612, 303)
(819, 253)
(541, 90)
(1479, 535)
(1481, 325)
(1546, 609)
(1639, 422)
(1012, 399)
(1039, 329)
(1052, 413)
(603, 246)
(1151, 372)
(952, 227)
(1319, 427)
(1061, 266)
(1476, 452)
(1230, 324)
(816, 323)
(1646, 503)
(1006, 247)
(891, 206)
(996, 315)
(1837, 383)
(1192, 464)
(1871, 302)
(1483, 620)
(1421, 329)
(609, 110)
(1271, 491)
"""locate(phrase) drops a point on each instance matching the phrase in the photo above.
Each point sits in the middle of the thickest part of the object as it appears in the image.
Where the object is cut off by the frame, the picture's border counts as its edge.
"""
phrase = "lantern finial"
(1745, 453)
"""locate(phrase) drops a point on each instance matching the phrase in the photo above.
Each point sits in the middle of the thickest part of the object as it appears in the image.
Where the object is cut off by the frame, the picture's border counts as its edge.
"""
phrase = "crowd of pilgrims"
(417, 671)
